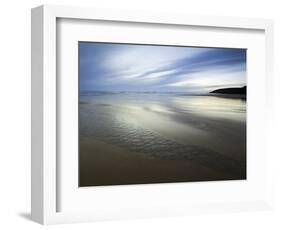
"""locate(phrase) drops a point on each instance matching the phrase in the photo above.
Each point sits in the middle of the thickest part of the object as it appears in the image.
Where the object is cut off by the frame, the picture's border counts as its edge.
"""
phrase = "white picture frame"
(45, 161)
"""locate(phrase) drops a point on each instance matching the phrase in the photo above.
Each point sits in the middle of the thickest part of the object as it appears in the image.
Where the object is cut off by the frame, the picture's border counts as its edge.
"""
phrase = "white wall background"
(15, 112)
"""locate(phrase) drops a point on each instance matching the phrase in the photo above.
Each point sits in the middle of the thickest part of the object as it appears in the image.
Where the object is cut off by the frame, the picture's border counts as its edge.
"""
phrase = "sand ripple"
(101, 123)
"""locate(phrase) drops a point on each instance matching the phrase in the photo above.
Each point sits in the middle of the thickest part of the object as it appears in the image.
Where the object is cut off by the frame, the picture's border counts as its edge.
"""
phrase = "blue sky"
(125, 67)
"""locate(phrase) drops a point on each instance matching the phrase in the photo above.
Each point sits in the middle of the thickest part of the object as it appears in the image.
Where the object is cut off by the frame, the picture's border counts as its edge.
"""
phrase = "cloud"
(209, 80)
(105, 66)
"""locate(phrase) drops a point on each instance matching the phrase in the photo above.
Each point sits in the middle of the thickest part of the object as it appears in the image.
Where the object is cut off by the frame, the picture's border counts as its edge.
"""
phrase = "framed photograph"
(139, 115)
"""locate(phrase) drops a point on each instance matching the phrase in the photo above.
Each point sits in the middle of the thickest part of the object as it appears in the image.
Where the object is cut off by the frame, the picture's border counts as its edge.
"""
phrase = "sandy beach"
(132, 138)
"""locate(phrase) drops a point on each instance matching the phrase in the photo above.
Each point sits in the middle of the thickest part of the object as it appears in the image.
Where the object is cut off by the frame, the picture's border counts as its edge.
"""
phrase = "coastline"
(154, 140)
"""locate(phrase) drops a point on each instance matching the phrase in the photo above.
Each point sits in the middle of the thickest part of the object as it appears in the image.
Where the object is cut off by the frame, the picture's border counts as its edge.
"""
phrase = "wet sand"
(132, 139)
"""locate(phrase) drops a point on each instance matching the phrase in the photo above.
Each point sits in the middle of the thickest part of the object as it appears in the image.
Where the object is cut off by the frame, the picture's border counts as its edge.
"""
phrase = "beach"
(138, 137)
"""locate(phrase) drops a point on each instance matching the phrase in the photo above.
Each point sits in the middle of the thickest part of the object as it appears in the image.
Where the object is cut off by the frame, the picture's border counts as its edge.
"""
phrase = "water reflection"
(212, 106)
(207, 130)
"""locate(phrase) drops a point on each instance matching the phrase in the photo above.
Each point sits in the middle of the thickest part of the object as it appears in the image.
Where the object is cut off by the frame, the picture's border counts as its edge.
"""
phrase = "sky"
(155, 68)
